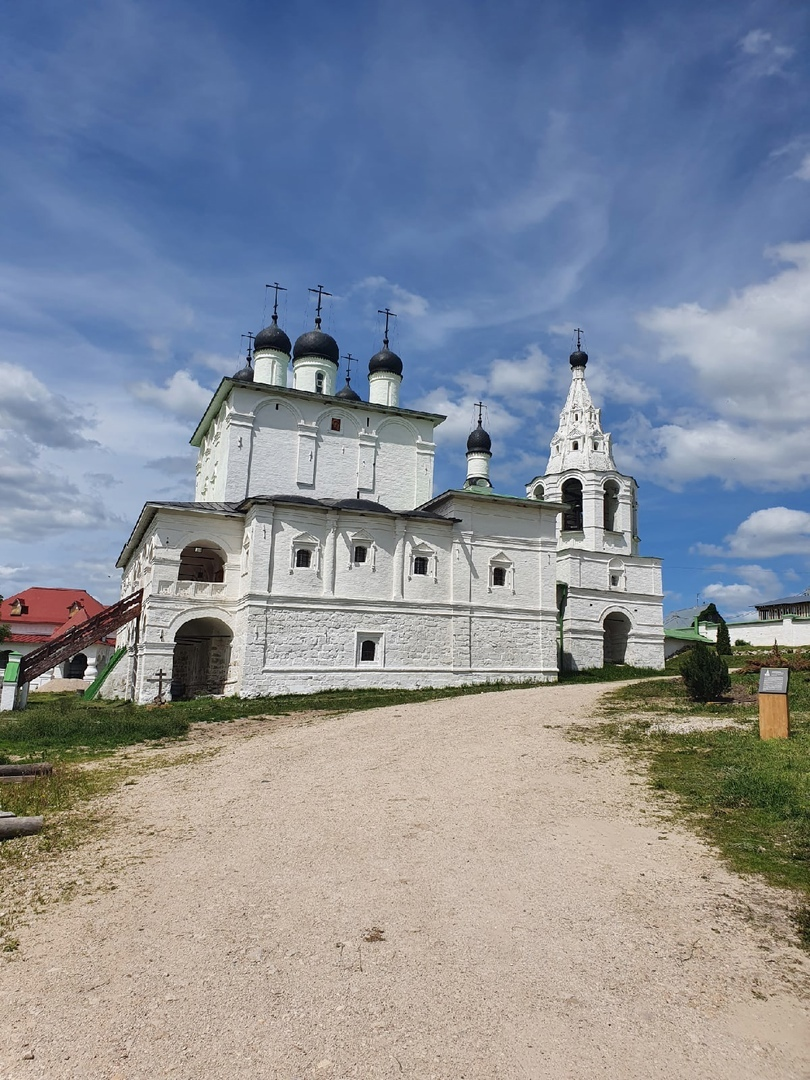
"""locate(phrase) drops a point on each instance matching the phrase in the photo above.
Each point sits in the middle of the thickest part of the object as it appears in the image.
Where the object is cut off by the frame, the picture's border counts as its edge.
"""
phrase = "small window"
(614, 580)
(575, 445)
(539, 492)
(499, 576)
(576, 416)
(595, 444)
(368, 651)
(360, 553)
(335, 423)
(303, 557)
(420, 565)
(319, 382)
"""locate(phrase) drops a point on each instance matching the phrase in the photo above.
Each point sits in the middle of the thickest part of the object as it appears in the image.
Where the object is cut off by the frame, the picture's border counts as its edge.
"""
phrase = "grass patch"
(608, 673)
(750, 798)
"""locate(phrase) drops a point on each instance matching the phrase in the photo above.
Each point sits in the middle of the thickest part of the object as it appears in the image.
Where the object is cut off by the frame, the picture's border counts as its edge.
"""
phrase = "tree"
(723, 644)
(5, 630)
(705, 674)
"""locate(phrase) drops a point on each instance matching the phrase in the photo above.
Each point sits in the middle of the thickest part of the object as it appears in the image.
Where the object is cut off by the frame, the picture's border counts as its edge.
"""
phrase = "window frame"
(377, 638)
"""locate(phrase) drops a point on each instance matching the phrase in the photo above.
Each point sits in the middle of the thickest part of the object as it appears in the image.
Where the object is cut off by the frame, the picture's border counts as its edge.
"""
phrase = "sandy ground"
(535, 917)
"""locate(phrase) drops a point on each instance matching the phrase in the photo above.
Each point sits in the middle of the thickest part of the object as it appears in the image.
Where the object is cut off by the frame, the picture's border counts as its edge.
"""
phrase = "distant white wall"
(790, 631)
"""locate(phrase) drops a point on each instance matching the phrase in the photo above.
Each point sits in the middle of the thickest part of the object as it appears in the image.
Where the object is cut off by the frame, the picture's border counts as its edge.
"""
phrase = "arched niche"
(202, 561)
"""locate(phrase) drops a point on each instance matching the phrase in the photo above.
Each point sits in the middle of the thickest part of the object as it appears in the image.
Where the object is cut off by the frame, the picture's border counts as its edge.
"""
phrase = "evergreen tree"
(723, 640)
(705, 674)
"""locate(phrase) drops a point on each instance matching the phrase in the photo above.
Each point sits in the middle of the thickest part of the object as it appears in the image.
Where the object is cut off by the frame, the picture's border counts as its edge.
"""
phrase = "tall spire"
(580, 442)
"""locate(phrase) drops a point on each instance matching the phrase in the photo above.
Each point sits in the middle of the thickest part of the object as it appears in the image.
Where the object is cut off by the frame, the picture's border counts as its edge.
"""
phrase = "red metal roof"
(48, 606)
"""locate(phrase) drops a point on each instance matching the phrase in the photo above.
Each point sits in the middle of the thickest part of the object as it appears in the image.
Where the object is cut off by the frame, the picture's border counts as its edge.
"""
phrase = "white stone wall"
(790, 631)
(591, 599)
(299, 628)
(283, 442)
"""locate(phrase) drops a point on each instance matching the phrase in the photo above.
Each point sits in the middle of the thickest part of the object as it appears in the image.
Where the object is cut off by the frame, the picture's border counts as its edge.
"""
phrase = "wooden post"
(774, 714)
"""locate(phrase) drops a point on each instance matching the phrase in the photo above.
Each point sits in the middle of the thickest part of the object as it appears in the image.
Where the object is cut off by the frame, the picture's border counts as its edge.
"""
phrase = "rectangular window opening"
(420, 565)
(335, 423)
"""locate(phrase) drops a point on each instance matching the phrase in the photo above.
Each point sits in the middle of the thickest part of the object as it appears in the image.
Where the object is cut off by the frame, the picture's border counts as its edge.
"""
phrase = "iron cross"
(388, 315)
(321, 293)
(349, 361)
(278, 288)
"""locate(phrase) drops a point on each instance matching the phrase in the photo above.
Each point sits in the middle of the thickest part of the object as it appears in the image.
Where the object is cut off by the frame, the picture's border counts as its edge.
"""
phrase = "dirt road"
(450, 889)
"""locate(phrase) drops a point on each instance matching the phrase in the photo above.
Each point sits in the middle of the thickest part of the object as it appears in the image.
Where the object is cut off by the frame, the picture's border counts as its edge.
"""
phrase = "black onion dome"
(272, 337)
(385, 360)
(578, 358)
(317, 343)
(479, 441)
(245, 374)
(347, 394)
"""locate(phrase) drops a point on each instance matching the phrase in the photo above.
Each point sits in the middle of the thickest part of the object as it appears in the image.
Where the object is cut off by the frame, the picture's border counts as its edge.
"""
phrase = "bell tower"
(581, 473)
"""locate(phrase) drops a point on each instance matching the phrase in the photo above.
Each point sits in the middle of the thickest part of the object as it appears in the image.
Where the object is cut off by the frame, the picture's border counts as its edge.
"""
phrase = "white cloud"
(747, 426)
(803, 171)
(508, 387)
(765, 56)
(182, 395)
(766, 534)
(39, 499)
(29, 409)
(757, 585)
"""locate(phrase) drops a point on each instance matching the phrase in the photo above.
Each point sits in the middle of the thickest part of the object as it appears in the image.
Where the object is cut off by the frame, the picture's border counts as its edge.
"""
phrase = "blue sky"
(496, 174)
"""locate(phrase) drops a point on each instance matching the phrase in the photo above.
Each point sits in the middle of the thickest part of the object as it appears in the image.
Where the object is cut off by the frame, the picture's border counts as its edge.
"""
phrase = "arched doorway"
(201, 562)
(202, 653)
(617, 632)
(76, 667)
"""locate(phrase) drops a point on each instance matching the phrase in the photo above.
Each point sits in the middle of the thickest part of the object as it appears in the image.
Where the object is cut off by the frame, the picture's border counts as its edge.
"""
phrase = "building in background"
(38, 615)
(785, 621)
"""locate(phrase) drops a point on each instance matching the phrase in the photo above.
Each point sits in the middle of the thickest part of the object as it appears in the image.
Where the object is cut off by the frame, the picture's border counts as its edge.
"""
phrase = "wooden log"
(29, 779)
(19, 826)
(35, 768)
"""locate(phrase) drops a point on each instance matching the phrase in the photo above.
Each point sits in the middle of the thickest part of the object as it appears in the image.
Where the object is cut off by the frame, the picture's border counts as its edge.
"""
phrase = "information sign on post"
(774, 716)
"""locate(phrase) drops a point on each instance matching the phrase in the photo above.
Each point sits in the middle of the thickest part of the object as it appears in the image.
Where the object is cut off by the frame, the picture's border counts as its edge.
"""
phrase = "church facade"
(315, 555)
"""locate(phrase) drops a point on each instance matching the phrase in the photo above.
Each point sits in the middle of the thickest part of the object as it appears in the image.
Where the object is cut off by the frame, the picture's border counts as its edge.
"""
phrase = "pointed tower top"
(579, 442)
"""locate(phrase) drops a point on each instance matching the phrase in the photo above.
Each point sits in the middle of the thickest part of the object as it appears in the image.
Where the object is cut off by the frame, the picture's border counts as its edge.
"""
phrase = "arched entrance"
(76, 667)
(617, 632)
(202, 653)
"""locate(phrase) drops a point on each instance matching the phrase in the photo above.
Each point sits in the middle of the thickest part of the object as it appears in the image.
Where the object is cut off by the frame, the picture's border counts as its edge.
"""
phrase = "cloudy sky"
(495, 173)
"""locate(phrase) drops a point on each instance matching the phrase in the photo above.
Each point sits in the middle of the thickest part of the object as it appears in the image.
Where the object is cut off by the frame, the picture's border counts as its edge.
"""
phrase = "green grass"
(750, 798)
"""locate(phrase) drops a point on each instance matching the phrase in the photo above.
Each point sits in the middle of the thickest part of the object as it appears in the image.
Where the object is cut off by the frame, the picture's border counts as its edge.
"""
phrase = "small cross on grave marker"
(159, 699)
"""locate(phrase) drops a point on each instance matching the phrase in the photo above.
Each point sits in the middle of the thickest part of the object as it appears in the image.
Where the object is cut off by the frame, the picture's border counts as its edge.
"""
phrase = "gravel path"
(449, 889)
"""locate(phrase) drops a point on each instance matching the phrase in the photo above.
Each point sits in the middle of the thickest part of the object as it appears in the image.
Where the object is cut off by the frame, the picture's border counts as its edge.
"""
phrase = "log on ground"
(34, 768)
(19, 826)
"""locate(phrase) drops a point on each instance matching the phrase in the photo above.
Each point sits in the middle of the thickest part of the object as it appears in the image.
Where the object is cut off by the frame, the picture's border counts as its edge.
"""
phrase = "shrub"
(723, 644)
(739, 641)
(705, 674)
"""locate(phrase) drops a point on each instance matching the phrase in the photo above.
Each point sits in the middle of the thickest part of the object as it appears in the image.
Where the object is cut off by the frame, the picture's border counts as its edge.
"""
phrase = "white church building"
(316, 556)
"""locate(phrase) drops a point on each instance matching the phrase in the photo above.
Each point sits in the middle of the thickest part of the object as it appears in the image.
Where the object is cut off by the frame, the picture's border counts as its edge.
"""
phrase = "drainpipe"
(562, 600)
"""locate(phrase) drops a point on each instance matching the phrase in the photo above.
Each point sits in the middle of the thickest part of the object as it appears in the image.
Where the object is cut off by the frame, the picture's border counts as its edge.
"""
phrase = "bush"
(739, 641)
(723, 644)
(705, 674)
